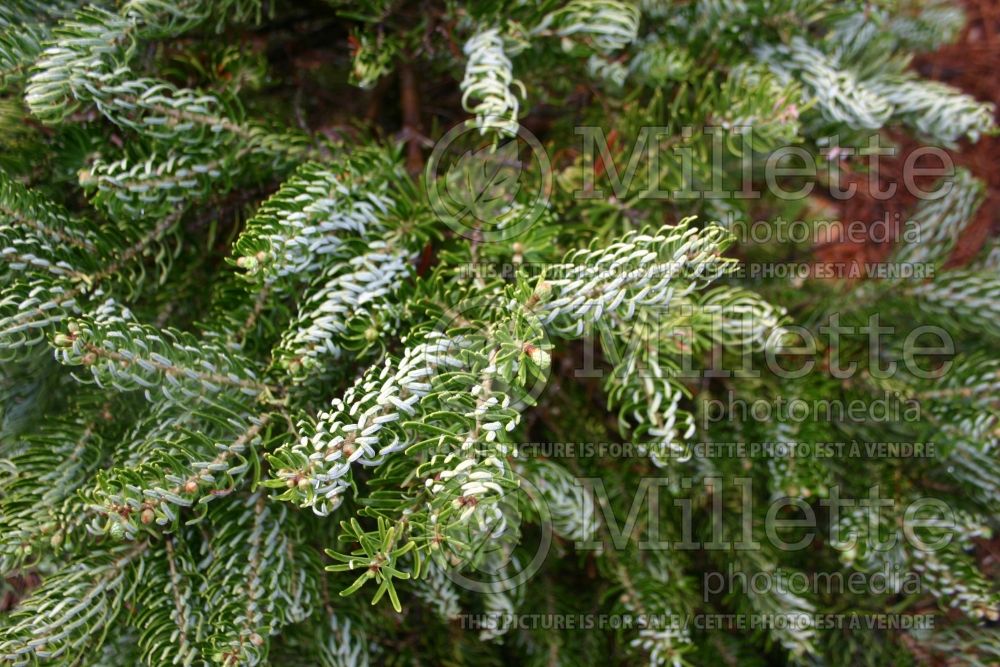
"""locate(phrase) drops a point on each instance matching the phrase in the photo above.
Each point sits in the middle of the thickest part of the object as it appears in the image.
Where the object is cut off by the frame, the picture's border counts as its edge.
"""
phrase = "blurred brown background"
(972, 64)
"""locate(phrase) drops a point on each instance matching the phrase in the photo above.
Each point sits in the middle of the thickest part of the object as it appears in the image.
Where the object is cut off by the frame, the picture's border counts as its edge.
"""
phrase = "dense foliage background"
(344, 333)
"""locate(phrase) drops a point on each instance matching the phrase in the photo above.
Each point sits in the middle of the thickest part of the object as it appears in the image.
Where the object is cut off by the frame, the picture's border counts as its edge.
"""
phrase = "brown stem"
(410, 101)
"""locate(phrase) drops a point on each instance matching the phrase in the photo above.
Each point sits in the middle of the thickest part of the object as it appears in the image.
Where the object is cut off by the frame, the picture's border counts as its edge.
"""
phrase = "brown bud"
(147, 516)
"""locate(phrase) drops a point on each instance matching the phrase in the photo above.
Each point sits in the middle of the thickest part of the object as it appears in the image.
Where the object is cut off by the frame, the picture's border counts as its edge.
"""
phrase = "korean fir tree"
(348, 333)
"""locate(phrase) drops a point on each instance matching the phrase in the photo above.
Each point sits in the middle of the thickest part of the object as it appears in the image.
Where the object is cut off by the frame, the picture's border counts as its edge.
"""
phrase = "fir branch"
(937, 111)
(169, 616)
(489, 79)
(304, 226)
(257, 575)
(348, 310)
(840, 95)
(73, 611)
(133, 356)
(179, 471)
(939, 221)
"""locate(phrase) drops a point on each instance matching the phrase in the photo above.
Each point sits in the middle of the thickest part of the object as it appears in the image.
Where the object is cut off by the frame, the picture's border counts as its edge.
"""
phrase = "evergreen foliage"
(263, 404)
